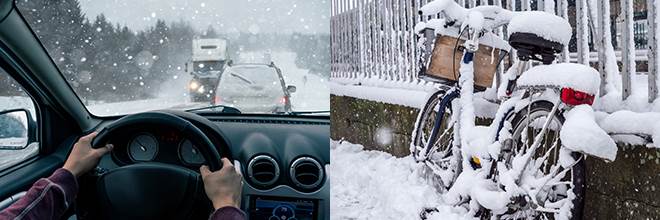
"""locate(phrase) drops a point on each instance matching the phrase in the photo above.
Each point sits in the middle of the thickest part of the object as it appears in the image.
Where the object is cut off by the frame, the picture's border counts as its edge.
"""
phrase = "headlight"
(193, 85)
(201, 89)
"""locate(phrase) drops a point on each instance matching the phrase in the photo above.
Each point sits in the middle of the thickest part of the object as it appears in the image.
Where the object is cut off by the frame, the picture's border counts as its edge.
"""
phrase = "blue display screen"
(279, 208)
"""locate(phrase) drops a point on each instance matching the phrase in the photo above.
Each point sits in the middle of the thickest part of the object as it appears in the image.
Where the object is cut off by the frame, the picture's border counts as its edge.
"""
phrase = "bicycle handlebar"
(493, 16)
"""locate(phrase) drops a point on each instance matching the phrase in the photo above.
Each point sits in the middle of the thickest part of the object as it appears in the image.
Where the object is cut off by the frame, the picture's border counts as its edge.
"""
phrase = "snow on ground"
(377, 185)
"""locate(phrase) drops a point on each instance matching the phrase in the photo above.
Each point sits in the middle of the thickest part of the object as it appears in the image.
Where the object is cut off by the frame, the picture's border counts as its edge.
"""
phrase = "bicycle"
(516, 167)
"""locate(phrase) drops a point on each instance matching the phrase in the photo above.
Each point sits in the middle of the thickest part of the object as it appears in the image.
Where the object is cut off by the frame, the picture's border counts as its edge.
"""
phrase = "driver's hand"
(223, 187)
(83, 157)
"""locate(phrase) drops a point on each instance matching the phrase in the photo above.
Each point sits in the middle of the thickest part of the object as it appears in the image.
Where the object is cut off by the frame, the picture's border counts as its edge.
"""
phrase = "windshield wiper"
(225, 109)
(234, 74)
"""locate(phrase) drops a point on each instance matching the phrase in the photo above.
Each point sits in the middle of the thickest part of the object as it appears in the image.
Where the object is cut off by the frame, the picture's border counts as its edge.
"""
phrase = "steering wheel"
(152, 190)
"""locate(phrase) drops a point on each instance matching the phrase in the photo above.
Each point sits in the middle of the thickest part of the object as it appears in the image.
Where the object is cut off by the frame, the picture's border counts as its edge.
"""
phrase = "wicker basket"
(442, 69)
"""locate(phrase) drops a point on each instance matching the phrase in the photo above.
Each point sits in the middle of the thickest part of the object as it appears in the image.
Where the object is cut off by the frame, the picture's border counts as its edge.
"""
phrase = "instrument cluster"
(167, 146)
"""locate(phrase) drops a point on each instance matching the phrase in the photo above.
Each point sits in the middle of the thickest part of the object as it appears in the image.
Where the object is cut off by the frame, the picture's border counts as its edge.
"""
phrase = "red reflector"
(574, 97)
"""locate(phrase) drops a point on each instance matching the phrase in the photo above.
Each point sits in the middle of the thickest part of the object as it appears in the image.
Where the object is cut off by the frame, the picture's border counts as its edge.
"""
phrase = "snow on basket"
(566, 75)
(581, 133)
(543, 24)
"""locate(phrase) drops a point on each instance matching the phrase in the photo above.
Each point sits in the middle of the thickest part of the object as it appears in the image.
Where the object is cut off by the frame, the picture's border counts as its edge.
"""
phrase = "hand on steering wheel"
(83, 157)
(223, 187)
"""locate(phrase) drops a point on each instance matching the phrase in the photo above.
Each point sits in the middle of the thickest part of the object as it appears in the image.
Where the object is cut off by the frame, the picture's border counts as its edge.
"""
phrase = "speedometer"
(189, 153)
(143, 147)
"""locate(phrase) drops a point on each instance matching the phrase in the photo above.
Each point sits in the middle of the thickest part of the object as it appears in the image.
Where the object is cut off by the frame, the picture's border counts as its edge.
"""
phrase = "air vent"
(306, 173)
(263, 170)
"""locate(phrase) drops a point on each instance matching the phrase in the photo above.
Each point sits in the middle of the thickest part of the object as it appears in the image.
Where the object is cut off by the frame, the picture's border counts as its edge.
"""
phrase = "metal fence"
(374, 40)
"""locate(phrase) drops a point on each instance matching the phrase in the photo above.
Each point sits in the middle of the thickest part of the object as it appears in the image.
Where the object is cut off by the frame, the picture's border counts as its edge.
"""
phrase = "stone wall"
(628, 188)
(377, 126)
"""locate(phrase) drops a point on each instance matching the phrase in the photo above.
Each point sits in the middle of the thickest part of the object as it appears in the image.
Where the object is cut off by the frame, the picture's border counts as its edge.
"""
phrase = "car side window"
(17, 123)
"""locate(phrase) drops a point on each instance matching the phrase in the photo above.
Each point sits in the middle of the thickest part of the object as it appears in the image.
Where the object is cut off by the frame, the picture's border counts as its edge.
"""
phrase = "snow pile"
(405, 97)
(576, 76)
(474, 20)
(543, 24)
(628, 122)
(581, 133)
(376, 185)
(636, 102)
(449, 7)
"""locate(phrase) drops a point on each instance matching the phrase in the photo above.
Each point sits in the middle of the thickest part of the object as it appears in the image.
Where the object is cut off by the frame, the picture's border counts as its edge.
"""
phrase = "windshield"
(122, 56)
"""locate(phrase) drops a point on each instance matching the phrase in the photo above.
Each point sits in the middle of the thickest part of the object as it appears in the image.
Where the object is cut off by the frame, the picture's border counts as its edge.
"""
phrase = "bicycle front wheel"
(432, 140)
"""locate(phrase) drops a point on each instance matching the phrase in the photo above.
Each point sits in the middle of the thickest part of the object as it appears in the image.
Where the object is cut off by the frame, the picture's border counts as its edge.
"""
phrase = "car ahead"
(254, 87)
(59, 84)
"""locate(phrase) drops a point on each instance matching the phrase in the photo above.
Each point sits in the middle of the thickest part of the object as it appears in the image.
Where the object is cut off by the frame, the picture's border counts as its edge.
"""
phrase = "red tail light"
(283, 100)
(217, 100)
(574, 97)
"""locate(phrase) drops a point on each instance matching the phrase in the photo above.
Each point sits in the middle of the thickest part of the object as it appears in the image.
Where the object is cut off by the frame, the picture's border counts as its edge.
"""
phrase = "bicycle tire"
(420, 147)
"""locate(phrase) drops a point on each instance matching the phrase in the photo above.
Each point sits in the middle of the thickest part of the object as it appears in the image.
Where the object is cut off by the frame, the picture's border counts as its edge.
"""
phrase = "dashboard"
(283, 159)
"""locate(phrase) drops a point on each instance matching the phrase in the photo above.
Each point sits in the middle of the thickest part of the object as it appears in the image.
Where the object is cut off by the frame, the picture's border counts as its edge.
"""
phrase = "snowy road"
(376, 185)
(312, 92)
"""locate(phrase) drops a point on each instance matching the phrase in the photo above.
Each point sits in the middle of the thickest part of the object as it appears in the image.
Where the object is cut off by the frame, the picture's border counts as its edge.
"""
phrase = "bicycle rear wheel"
(432, 140)
(557, 190)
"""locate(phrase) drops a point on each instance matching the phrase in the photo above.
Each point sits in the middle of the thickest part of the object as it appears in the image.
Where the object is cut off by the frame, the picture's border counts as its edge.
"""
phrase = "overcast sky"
(269, 16)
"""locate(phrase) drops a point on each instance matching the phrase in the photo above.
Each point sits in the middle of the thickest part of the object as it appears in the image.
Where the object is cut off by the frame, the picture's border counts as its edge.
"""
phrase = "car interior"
(153, 170)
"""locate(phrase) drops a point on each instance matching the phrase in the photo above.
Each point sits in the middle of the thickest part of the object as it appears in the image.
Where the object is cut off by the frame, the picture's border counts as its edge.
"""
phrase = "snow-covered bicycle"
(518, 167)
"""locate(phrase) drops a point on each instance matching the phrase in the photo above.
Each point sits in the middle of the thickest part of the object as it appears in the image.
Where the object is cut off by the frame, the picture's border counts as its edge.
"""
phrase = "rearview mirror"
(291, 89)
(14, 129)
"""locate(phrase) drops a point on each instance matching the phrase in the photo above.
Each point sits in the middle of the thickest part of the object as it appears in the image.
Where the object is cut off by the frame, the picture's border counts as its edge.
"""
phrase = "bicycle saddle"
(538, 35)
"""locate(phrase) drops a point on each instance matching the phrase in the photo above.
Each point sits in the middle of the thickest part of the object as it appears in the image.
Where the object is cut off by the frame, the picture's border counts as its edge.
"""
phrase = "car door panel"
(22, 176)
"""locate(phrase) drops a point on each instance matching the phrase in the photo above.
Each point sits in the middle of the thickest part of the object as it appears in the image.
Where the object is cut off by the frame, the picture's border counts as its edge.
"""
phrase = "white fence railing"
(374, 40)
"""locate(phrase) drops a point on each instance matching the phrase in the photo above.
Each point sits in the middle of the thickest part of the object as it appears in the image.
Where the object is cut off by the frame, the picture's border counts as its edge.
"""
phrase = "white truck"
(209, 57)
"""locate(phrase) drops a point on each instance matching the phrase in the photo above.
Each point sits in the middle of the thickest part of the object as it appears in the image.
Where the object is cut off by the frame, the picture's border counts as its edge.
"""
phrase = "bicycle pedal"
(475, 162)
